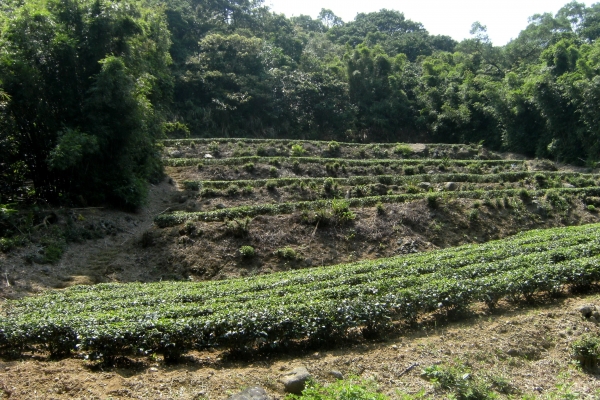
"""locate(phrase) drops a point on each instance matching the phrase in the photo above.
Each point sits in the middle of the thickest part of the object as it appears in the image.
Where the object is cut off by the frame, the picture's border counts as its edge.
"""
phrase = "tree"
(55, 66)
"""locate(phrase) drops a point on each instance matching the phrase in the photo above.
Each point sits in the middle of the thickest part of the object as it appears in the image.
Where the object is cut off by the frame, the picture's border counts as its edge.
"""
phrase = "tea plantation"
(329, 303)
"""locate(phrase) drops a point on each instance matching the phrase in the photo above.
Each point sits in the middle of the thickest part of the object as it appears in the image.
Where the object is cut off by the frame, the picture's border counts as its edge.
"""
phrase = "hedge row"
(390, 179)
(388, 146)
(177, 218)
(288, 161)
(320, 304)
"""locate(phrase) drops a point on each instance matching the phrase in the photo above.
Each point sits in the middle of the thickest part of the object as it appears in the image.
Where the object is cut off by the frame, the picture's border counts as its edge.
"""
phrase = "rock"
(208, 156)
(513, 352)
(568, 185)
(176, 154)
(425, 185)
(153, 369)
(254, 393)
(593, 319)
(451, 186)
(336, 374)
(295, 380)
(586, 311)
(596, 315)
(221, 206)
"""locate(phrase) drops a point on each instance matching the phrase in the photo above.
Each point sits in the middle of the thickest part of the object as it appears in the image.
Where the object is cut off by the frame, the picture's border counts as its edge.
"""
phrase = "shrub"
(213, 147)
(200, 166)
(591, 208)
(473, 214)
(432, 200)
(380, 208)
(271, 184)
(586, 350)
(273, 171)
(409, 170)
(328, 184)
(333, 148)
(403, 149)
(249, 167)
(238, 227)
(287, 252)
(296, 167)
(232, 190)
(247, 251)
(341, 210)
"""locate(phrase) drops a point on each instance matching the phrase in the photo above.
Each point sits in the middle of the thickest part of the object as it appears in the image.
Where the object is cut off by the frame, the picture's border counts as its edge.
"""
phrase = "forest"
(88, 88)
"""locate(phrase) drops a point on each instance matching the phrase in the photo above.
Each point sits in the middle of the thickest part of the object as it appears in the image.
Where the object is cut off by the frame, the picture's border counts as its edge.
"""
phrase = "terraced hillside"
(328, 244)
(301, 204)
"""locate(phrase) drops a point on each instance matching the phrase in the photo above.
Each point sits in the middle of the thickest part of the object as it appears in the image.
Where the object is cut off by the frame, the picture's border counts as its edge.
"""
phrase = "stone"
(586, 311)
(176, 154)
(336, 374)
(254, 393)
(295, 380)
(208, 156)
(451, 186)
(513, 352)
(425, 185)
(568, 185)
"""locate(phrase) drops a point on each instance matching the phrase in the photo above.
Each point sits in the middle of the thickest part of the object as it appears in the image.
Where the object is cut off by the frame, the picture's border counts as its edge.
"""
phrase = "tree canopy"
(87, 87)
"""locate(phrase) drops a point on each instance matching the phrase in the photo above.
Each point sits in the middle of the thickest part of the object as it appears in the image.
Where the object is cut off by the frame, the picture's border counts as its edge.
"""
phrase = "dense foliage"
(86, 87)
(317, 304)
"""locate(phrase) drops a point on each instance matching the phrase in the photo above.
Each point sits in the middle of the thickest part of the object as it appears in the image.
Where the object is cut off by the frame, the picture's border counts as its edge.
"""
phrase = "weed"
(247, 189)
(273, 171)
(350, 389)
(380, 208)
(200, 166)
(409, 170)
(249, 167)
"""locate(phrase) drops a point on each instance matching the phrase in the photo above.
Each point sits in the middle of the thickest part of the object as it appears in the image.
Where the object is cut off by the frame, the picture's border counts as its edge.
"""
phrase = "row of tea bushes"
(177, 218)
(319, 304)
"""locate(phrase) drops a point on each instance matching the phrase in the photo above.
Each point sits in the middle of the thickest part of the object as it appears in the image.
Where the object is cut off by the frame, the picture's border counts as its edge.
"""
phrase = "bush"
(247, 251)
(409, 170)
(271, 184)
(249, 167)
(333, 148)
(586, 350)
(432, 200)
(273, 171)
(403, 149)
(287, 252)
(591, 208)
(238, 227)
